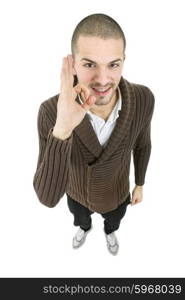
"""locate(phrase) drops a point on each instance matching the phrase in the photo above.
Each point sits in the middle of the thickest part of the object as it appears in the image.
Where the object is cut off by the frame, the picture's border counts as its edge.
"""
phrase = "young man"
(89, 130)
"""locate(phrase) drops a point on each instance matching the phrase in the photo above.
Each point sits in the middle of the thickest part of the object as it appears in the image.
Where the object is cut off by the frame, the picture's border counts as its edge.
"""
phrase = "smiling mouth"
(101, 91)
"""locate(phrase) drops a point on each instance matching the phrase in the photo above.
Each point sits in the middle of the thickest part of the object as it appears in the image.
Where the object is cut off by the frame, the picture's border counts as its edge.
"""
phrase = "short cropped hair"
(97, 25)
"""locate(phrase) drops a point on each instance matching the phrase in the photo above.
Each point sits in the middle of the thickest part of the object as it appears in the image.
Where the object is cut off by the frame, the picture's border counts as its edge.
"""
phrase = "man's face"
(98, 64)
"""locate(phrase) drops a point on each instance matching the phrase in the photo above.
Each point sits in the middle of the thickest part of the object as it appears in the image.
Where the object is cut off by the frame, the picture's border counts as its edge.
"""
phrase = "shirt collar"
(114, 114)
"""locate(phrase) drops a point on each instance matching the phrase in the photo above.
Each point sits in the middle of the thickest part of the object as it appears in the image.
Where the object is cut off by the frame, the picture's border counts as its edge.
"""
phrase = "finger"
(85, 94)
(70, 67)
(82, 90)
(137, 201)
(63, 72)
(85, 91)
(68, 74)
(89, 102)
(70, 60)
(77, 88)
(65, 68)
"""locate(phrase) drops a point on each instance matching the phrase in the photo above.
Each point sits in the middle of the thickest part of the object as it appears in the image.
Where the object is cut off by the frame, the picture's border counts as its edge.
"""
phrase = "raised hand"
(69, 112)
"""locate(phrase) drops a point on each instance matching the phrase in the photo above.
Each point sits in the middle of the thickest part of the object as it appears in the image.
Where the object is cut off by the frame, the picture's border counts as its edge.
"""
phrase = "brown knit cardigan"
(94, 176)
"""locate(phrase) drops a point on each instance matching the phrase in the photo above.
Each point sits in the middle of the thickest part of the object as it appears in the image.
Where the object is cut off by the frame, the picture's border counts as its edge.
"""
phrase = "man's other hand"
(137, 194)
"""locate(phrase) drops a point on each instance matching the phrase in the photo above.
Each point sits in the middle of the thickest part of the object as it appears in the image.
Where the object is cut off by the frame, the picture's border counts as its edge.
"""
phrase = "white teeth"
(101, 90)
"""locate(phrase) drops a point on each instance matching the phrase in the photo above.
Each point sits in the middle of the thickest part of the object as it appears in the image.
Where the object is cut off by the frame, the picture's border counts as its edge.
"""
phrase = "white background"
(36, 241)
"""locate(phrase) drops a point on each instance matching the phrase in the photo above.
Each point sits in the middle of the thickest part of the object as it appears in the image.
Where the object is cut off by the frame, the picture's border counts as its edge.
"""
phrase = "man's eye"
(89, 65)
(113, 65)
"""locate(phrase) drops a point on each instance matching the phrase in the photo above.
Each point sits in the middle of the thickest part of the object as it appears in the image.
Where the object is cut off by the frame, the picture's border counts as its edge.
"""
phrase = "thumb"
(89, 102)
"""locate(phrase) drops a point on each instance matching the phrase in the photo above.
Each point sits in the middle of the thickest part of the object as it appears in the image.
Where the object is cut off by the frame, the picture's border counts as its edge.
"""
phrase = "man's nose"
(101, 76)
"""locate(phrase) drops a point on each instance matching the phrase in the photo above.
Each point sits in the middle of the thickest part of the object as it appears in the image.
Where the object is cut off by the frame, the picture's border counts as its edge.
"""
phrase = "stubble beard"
(104, 100)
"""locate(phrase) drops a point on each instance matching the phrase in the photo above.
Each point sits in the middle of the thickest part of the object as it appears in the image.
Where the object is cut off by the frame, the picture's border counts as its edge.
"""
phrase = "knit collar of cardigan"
(88, 137)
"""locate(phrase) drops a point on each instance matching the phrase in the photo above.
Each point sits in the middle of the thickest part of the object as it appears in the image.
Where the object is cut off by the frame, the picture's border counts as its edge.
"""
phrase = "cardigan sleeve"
(51, 176)
(143, 145)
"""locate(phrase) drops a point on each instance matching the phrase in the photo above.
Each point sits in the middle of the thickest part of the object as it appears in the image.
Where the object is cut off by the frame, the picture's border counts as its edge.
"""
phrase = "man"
(88, 132)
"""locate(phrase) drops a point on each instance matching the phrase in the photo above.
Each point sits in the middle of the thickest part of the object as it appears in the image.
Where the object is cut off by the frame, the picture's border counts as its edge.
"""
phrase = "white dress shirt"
(102, 128)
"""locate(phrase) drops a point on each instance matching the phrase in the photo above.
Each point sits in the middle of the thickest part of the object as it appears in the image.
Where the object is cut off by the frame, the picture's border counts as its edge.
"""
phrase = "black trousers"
(82, 215)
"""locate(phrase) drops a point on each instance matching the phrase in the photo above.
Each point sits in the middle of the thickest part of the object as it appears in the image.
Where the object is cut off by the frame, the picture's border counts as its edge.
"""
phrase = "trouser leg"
(113, 218)
(82, 215)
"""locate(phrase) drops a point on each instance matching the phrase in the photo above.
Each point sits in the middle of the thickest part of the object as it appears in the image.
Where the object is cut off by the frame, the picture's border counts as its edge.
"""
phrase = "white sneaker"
(112, 243)
(79, 237)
